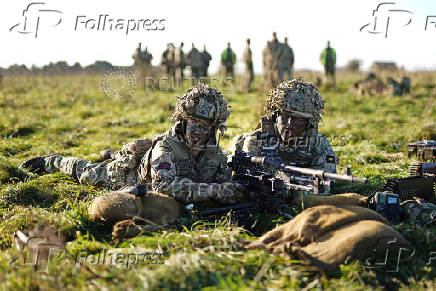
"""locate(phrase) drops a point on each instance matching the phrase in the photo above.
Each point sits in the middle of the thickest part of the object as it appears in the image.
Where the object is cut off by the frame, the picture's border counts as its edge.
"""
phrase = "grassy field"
(70, 116)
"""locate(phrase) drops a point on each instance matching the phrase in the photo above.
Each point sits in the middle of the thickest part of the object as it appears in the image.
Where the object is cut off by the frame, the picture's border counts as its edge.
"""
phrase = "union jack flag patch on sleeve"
(164, 166)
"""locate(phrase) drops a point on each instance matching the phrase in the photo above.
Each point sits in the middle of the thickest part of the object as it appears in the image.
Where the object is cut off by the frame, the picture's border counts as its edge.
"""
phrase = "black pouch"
(386, 204)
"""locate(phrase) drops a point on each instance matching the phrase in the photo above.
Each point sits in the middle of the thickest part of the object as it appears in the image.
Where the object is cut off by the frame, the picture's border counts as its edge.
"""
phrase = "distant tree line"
(59, 68)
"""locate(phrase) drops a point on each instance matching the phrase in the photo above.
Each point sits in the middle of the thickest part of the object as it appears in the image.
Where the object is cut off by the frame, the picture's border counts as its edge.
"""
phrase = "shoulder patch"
(164, 166)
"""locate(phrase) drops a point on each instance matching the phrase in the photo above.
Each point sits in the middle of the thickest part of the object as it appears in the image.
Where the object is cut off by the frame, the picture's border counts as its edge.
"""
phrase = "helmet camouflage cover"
(299, 98)
(204, 104)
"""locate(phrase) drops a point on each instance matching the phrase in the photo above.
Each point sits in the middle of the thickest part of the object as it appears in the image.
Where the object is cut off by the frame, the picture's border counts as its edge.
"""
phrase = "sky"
(65, 30)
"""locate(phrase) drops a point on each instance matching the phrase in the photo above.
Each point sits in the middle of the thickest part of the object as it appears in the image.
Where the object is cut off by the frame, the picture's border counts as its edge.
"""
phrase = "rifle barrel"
(308, 171)
(323, 174)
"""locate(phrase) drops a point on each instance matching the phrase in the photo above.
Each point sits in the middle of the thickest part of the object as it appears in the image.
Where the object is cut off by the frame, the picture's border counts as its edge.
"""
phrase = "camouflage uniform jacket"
(313, 150)
(174, 171)
(271, 55)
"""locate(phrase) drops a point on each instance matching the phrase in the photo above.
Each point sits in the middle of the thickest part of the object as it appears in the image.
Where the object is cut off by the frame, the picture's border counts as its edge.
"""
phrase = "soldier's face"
(198, 133)
(291, 126)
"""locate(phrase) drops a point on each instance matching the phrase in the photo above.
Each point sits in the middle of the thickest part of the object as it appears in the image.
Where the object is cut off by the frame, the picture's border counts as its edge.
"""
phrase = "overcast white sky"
(307, 24)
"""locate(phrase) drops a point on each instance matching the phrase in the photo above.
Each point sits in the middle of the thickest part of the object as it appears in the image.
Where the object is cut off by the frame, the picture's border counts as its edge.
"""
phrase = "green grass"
(70, 116)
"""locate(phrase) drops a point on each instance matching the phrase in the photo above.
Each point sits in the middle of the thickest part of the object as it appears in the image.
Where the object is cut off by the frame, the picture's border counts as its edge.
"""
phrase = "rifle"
(253, 171)
(252, 179)
(248, 174)
(250, 170)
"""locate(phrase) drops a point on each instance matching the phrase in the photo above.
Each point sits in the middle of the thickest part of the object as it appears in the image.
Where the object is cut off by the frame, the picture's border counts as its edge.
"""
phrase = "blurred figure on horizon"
(195, 61)
(228, 60)
(142, 64)
(167, 62)
(179, 63)
(286, 62)
(328, 60)
(206, 57)
(271, 55)
(248, 75)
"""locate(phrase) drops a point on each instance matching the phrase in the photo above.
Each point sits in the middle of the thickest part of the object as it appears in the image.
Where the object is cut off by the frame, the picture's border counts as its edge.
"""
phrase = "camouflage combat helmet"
(204, 104)
(298, 98)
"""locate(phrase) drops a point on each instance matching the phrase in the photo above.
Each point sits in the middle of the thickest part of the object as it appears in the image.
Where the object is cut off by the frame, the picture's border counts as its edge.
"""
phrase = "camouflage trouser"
(271, 79)
(247, 78)
(204, 70)
(228, 71)
(112, 174)
(179, 76)
(330, 75)
(285, 73)
(195, 72)
(142, 73)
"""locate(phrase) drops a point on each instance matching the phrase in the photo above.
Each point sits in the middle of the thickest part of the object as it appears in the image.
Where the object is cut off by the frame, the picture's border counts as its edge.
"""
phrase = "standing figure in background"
(271, 55)
(195, 61)
(248, 74)
(286, 62)
(228, 60)
(168, 61)
(148, 67)
(328, 60)
(179, 63)
(142, 64)
(206, 60)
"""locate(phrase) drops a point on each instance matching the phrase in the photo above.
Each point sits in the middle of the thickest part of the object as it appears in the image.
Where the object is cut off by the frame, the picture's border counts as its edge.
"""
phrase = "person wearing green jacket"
(328, 60)
(228, 60)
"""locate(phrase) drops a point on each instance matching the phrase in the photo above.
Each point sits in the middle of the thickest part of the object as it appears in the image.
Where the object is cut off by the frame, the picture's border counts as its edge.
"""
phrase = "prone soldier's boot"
(35, 165)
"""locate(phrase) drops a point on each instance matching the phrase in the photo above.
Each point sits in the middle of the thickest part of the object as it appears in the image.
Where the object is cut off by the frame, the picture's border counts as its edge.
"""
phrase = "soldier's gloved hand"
(228, 192)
